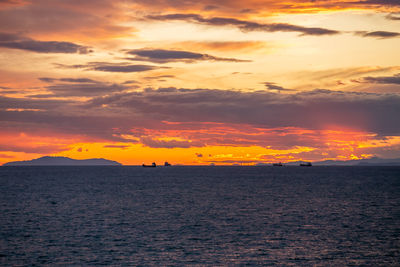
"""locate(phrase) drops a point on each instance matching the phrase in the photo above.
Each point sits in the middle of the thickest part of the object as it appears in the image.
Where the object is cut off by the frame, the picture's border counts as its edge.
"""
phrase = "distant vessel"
(277, 164)
(307, 164)
(153, 165)
(166, 164)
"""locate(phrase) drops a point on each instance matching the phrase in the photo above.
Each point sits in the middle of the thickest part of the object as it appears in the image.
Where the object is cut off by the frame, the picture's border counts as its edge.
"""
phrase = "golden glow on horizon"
(340, 146)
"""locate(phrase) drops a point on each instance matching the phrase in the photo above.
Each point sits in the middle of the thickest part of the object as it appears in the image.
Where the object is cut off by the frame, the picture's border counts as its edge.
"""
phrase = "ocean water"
(204, 216)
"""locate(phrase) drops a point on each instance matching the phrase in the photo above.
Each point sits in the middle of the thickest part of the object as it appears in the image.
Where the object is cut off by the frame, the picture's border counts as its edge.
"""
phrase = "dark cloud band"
(165, 56)
(24, 43)
(383, 79)
(245, 25)
(142, 114)
(313, 109)
(379, 34)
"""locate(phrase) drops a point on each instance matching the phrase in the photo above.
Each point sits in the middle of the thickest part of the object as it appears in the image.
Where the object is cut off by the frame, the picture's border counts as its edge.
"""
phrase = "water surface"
(122, 216)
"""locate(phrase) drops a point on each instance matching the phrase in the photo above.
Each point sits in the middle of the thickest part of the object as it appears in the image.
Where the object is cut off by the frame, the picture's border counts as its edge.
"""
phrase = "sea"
(200, 216)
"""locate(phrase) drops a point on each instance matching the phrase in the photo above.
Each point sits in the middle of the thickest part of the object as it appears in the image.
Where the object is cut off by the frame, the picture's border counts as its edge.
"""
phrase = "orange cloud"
(225, 46)
(31, 143)
(5, 4)
(66, 20)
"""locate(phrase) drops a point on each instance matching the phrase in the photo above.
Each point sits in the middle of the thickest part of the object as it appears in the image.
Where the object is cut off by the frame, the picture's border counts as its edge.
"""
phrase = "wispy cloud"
(151, 142)
(80, 87)
(69, 80)
(110, 67)
(117, 146)
(274, 87)
(393, 16)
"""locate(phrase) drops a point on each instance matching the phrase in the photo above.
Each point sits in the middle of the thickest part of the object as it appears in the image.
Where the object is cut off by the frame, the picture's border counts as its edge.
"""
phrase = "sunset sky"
(200, 82)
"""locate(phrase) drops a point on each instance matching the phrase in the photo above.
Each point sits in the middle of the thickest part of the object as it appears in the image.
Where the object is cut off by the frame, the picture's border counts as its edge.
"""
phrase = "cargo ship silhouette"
(153, 165)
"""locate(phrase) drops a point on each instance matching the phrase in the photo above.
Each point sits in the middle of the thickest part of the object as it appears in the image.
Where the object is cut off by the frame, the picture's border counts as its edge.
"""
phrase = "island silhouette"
(63, 161)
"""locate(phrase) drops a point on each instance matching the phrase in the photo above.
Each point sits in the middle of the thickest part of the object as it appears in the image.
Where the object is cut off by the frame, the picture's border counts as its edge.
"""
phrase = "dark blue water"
(128, 216)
